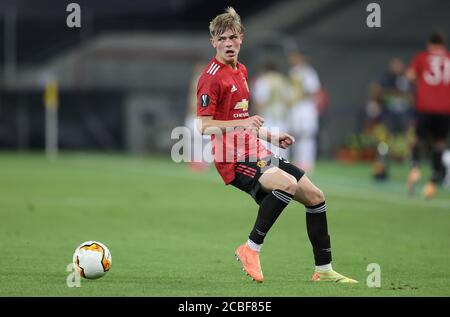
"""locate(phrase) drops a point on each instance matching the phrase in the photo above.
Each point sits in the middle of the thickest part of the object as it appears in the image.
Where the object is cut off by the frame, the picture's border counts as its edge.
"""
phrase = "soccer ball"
(92, 259)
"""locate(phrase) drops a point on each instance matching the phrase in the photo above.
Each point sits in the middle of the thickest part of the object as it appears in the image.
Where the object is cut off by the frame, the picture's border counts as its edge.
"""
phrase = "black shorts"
(435, 126)
(249, 172)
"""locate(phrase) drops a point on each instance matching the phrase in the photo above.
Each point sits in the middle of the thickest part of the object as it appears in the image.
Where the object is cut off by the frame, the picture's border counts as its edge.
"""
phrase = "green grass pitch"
(172, 232)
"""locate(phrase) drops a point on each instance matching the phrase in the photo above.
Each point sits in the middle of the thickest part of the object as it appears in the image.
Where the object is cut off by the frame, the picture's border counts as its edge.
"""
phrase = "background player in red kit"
(242, 161)
(431, 71)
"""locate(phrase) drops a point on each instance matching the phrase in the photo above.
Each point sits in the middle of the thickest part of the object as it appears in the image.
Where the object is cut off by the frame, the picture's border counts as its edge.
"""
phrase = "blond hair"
(229, 20)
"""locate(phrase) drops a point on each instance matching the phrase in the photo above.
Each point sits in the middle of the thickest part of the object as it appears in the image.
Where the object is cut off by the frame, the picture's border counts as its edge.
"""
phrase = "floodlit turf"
(172, 232)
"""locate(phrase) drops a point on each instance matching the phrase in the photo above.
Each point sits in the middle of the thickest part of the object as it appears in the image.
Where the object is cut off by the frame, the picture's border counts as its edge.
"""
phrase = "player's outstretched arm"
(207, 125)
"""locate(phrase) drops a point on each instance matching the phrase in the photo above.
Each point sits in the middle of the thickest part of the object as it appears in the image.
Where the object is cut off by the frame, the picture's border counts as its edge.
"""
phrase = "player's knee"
(316, 197)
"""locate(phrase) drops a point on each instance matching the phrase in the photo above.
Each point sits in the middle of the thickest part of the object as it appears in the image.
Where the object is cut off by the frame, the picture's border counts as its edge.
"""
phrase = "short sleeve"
(208, 90)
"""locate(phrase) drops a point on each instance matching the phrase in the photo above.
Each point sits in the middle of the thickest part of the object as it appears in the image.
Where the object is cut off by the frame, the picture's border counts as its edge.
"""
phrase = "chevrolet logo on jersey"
(243, 105)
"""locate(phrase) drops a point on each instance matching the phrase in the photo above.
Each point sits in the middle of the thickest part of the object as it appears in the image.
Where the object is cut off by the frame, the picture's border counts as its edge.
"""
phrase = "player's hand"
(283, 140)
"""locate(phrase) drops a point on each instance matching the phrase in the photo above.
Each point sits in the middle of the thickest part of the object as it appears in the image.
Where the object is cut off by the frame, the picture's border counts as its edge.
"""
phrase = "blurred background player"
(199, 162)
(430, 70)
(271, 98)
(389, 113)
(392, 93)
(304, 116)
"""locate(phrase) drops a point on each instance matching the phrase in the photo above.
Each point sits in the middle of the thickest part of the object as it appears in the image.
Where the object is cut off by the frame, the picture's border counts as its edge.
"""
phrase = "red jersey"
(433, 81)
(222, 92)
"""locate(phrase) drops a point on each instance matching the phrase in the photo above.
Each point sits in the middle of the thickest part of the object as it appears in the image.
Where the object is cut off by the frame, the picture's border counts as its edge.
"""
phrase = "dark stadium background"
(96, 79)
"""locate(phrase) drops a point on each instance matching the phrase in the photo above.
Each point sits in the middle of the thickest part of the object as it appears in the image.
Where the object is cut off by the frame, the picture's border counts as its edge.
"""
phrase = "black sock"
(316, 225)
(269, 210)
(438, 166)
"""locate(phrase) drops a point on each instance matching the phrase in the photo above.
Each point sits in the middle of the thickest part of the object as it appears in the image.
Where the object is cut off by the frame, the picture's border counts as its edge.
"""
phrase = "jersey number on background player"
(439, 71)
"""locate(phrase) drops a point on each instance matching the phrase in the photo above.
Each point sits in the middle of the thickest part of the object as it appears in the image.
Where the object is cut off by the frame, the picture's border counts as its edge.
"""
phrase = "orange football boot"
(250, 262)
(429, 190)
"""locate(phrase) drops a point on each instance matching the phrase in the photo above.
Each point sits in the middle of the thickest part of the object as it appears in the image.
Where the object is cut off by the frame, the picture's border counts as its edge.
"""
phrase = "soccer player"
(431, 71)
(306, 85)
(242, 160)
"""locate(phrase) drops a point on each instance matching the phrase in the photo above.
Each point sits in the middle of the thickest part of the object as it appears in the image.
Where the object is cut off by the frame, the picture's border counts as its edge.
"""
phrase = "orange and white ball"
(92, 259)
